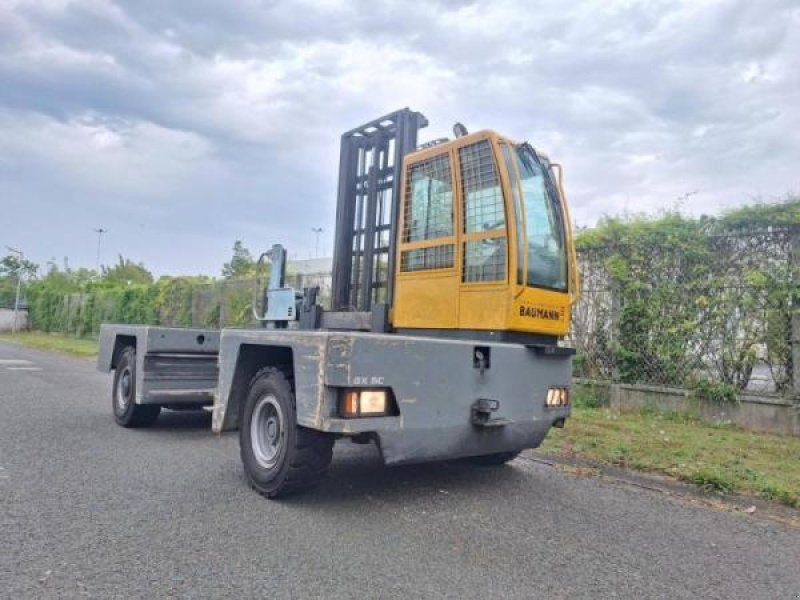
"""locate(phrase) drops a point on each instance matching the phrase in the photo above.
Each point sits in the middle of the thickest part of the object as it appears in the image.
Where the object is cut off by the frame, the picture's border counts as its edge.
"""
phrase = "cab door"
(483, 235)
(543, 292)
(427, 281)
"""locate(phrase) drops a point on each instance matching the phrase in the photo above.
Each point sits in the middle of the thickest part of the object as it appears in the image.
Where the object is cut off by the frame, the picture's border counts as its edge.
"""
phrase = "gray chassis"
(435, 383)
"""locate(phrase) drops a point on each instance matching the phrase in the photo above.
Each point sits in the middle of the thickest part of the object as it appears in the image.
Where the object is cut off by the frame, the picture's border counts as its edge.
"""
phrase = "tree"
(12, 267)
(241, 265)
(127, 272)
(66, 279)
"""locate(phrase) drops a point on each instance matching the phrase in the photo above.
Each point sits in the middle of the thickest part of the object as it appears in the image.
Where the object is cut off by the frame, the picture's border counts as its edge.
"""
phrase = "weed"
(770, 491)
(712, 481)
(586, 396)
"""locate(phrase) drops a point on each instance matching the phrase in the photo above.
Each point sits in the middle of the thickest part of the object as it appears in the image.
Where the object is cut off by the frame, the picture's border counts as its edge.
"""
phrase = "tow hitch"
(482, 410)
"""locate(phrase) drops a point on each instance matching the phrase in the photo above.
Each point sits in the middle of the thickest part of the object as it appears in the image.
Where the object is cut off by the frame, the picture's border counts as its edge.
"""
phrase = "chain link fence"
(714, 311)
(709, 310)
(229, 303)
(222, 304)
(178, 303)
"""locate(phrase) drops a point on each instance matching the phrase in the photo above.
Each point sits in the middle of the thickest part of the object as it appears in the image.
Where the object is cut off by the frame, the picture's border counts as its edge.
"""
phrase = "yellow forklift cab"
(485, 240)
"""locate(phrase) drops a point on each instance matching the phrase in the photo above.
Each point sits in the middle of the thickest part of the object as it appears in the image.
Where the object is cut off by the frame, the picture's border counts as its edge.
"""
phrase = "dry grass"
(50, 341)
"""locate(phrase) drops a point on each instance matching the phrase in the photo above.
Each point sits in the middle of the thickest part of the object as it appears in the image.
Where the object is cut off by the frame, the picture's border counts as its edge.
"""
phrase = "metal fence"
(178, 303)
(715, 311)
(229, 303)
(222, 304)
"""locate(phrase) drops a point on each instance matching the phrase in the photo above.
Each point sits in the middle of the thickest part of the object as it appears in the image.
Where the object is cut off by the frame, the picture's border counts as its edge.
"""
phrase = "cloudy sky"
(183, 126)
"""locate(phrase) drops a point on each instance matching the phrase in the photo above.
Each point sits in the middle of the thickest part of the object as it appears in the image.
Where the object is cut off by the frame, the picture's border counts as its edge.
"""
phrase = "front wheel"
(123, 395)
(279, 457)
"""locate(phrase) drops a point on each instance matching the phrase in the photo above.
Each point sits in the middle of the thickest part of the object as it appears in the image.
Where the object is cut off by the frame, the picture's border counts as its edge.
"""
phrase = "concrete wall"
(7, 319)
(774, 414)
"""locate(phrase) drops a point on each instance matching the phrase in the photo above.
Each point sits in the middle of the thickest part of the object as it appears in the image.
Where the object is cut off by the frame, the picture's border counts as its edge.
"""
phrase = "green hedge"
(60, 306)
(81, 313)
(674, 299)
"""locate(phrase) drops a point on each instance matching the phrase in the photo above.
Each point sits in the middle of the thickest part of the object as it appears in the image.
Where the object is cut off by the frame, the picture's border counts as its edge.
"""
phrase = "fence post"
(794, 258)
(616, 301)
(223, 307)
(192, 311)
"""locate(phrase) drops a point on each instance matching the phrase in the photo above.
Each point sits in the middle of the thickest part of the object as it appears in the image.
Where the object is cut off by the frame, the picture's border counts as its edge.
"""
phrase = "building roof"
(310, 266)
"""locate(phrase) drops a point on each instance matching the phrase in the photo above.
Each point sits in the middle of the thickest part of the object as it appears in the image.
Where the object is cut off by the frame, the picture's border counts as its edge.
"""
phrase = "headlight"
(366, 403)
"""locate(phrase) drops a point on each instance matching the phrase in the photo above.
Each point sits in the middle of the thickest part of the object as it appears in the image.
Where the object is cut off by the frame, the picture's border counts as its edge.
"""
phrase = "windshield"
(547, 256)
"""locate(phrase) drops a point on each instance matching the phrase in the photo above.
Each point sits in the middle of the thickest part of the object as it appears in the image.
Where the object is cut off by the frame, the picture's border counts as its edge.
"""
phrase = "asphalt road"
(90, 509)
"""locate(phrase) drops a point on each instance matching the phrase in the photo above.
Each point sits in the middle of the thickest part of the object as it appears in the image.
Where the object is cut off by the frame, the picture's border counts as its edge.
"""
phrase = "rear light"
(557, 397)
(356, 403)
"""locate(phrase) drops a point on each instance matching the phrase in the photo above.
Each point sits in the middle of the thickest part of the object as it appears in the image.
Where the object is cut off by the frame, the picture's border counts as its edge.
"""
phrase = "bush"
(720, 392)
(671, 296)
(59, 305)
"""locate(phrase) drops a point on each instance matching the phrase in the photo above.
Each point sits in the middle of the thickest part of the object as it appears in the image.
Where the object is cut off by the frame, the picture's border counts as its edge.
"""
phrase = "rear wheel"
(493, 460)
(123, 395)
(279, 457)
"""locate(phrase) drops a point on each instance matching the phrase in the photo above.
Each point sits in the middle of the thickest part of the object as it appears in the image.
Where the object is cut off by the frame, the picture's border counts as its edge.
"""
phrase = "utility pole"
(317, 231)
(99, 231)
(19, 285)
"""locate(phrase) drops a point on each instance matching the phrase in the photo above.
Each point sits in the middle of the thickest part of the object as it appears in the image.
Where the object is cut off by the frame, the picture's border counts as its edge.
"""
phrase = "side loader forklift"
(454, 272)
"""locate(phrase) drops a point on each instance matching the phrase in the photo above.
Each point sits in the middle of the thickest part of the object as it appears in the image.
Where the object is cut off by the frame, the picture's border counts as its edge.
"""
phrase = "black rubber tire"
(493, 460)
(131, 414)
(304, 454)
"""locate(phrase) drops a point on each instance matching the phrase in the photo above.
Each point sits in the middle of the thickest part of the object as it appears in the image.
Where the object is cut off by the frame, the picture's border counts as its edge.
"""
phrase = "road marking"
(23, 368)
(14, 361)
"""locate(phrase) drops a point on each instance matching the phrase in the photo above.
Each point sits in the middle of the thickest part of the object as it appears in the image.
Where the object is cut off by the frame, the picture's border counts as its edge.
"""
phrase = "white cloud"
(240, 105)
(103, 156)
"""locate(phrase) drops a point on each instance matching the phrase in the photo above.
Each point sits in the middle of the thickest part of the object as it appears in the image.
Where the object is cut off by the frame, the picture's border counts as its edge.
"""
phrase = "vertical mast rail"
(366, 174)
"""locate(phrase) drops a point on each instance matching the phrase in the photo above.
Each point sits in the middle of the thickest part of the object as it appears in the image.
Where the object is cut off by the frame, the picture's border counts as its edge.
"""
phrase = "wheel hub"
(124, 390)
(267, 431)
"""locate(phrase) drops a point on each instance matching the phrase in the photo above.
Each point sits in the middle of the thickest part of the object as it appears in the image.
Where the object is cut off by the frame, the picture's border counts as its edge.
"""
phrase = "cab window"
(428, 214)
(544, 226)
(519, 223)
(484, 213)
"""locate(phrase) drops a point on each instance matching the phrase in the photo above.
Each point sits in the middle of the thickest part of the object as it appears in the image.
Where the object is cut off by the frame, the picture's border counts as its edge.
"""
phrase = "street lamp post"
(19, 286)
(99, 231)
(317, 231)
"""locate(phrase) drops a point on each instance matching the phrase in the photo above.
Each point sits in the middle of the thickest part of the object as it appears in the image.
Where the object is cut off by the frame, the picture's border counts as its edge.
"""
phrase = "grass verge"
(720, 458)
(81, 347)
